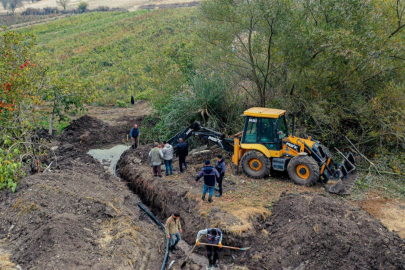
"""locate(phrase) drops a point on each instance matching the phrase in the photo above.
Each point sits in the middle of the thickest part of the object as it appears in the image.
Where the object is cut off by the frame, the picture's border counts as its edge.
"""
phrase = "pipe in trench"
(164, 230)
(156, 221)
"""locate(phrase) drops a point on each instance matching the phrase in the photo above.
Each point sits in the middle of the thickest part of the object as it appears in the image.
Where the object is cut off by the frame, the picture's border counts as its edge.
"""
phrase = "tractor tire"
(255, 164)
(304, 170)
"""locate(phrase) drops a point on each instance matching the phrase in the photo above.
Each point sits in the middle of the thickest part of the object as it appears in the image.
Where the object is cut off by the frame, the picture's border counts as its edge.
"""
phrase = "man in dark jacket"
(135, 134)
(214, 236)
(182, 153)
(210, 175)
(220, 166)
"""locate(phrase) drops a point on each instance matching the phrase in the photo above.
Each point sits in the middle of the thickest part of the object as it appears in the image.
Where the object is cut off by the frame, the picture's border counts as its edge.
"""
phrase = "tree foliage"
(339, 64)
(21, 83)
(64, 3)
(208, 98)
(4, 3)
(14, 4)
(25, 87)
(83, 6)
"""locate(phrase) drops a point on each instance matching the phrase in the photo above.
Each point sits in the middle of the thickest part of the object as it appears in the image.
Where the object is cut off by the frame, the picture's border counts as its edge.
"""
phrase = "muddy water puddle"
(109, 155)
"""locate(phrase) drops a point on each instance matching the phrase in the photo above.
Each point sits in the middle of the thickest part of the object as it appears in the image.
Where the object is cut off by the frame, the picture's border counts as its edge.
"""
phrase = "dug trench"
(79, 216)
(303, 231)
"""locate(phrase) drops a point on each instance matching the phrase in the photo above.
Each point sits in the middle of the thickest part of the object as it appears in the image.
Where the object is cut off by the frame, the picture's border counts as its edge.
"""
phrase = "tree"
(83, 6)
(63, 96)
(334, 61)
(20, 83)
(14, 4)
(247, 35)
(63, 3)
(4, 3)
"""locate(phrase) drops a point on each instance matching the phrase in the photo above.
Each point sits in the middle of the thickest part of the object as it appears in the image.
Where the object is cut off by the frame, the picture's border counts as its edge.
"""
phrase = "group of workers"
(213, 239)
(164, 153)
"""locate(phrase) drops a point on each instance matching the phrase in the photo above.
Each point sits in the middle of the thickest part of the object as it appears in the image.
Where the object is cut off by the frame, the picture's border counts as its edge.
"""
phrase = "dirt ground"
(79, 216)
(130, 5)
(306, 229)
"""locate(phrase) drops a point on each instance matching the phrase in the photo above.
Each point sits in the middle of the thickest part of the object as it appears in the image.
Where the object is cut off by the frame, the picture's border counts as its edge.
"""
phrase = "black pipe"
(164, 230)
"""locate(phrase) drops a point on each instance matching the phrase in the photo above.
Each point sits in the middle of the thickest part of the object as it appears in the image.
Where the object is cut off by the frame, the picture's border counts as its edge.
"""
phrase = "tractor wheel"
(255, 164)
(303, 170)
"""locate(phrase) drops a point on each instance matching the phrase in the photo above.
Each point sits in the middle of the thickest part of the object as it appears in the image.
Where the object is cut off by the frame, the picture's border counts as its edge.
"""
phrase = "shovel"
(185, 261)
(235, 248)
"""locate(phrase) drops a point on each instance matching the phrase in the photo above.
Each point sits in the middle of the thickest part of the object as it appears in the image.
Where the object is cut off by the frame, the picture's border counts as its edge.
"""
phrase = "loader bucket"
(343, 179)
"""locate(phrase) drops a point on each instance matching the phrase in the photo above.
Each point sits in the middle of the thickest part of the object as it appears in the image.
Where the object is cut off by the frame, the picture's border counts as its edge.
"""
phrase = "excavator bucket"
(343, 179)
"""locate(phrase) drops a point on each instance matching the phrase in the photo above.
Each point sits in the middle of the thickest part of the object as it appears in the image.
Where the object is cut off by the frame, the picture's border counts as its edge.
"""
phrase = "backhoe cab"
(266, 144)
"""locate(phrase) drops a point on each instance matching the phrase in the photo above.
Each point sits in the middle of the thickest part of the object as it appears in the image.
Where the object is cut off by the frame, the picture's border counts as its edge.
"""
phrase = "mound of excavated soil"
(77, 217)
(88, 131)
(319, 232)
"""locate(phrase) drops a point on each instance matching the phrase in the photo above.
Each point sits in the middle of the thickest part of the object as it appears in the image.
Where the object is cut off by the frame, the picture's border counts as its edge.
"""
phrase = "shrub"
(83, 6)
(32, 11)
(50, 10)
(102, 8)
(209, 99)
(10, 170)
(121, 104)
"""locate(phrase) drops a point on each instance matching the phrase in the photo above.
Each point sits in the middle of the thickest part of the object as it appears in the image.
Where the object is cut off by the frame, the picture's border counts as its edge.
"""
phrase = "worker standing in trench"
(135, 134)
(214, 237)
(173, 231)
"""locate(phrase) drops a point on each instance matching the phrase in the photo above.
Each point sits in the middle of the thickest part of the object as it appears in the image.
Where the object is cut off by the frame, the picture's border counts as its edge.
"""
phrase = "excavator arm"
(207, 134)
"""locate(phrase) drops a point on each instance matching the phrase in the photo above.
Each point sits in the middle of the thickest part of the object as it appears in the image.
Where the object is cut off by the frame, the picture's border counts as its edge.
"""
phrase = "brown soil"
(77, 217)
(319, 232)
(87, 131)
(306, 230)
(391, 212)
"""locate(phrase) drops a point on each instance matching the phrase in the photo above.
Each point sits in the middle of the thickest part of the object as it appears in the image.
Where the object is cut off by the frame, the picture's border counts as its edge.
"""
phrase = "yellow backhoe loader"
(266, 145)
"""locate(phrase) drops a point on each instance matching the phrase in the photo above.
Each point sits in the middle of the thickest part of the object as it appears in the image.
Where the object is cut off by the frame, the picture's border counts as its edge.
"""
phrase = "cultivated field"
(130, 5)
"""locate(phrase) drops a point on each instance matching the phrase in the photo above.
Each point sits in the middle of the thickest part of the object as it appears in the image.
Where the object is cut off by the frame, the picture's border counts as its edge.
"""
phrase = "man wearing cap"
(210, 175)
(214, 237)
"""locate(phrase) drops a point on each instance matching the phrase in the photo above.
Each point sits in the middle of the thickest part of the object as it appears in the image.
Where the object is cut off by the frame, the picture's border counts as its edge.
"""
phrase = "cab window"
(250, 134)
(282, 127)
(267, 131)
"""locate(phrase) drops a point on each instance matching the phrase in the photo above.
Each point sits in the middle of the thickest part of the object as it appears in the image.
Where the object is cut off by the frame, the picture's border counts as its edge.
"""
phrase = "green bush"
(121, 104)
(10, 170)
(83, 6)
(208, 99)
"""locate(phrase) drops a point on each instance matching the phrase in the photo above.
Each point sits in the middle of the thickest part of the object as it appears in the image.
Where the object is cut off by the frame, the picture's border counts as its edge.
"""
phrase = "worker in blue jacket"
(210, 178)
(135, 134)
